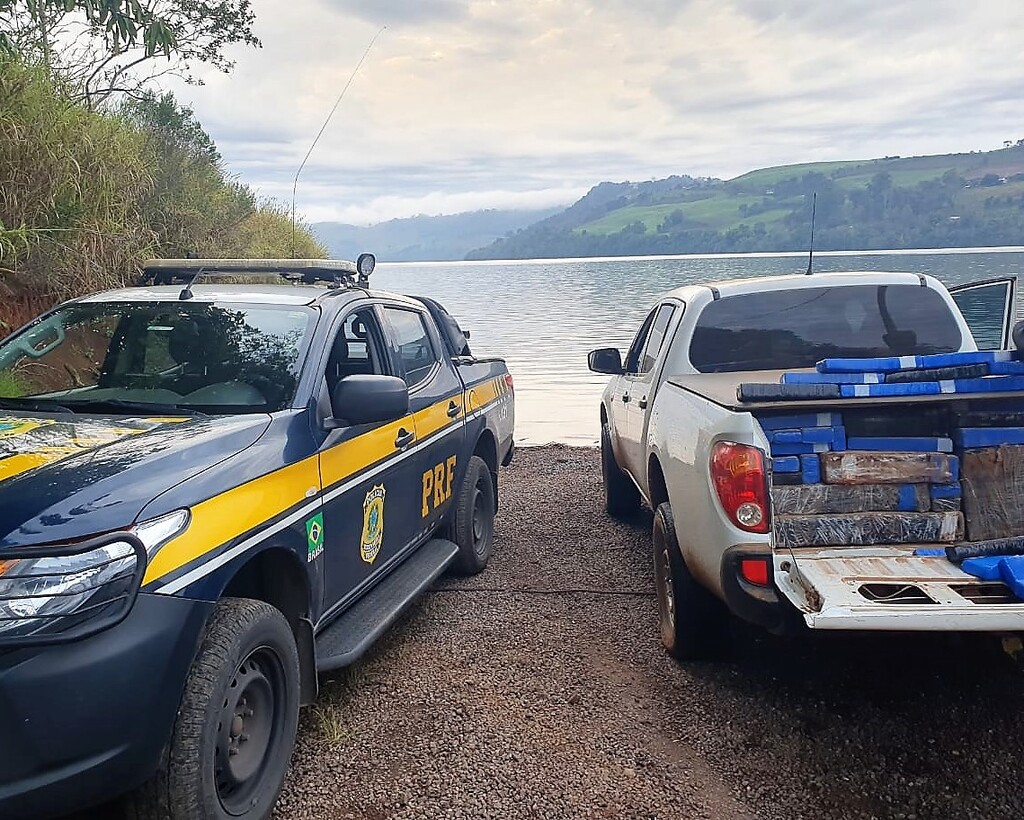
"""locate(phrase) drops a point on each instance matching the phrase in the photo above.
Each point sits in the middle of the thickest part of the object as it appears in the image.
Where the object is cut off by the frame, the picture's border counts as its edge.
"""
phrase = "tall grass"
(87, 196)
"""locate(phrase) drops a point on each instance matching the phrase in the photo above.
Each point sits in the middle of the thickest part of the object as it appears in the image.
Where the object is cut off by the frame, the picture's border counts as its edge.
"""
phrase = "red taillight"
(755, 571)
(508, 383)
(739, 478)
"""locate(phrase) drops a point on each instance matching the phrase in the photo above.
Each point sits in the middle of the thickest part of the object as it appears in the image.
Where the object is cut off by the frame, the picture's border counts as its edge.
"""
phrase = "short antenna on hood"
(810, 254)
(337, 102)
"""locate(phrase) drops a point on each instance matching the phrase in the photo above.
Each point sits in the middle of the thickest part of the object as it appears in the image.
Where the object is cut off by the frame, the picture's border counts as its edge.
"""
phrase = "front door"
(370, 474)
(989, 308)
(640, 382)
(436, 402)
(619, 414)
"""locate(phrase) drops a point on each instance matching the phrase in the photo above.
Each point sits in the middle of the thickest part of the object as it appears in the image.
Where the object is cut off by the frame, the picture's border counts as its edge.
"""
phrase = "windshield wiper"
(38, 405)
(149, 408)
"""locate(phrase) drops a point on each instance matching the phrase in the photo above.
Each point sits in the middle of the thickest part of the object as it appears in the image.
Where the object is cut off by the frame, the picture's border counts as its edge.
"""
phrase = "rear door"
(640, 383)
(437, 403)
(989, 308)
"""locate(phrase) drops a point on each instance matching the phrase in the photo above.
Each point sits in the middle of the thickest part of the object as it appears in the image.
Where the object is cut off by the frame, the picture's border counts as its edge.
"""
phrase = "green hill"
(951, 200)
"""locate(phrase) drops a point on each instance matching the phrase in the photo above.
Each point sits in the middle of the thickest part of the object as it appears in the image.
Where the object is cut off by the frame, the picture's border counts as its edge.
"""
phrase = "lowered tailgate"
(890, 588)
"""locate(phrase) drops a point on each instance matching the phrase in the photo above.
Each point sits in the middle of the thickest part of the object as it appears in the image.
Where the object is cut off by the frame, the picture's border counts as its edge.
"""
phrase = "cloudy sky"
(468, 104)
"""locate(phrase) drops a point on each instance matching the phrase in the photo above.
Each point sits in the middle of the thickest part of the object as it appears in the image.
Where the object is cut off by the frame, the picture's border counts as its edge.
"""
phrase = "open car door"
(989, 307)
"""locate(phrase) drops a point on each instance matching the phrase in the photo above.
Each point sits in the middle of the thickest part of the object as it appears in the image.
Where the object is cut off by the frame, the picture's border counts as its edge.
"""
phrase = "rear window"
(783, 329)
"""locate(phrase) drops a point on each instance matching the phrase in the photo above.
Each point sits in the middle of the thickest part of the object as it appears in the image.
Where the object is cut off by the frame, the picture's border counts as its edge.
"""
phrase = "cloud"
(383, 208)
(461, 100)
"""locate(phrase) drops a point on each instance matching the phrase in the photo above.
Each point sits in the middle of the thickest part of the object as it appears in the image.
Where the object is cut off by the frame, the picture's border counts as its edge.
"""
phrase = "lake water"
(544, 316)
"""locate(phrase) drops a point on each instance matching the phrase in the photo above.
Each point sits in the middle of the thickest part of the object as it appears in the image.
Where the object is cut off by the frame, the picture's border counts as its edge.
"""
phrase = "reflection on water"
(543, 317)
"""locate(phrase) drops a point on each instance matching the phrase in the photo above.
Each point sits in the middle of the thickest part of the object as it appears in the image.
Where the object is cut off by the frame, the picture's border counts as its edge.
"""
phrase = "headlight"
(64, 593)
(158, 531)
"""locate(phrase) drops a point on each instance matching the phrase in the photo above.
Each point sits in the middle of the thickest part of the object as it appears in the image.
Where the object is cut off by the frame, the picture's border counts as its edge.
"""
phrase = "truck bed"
(720, 388)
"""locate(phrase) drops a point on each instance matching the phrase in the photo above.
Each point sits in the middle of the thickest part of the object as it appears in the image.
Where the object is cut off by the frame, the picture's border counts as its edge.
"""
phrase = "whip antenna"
(337, 102)
(810, 256)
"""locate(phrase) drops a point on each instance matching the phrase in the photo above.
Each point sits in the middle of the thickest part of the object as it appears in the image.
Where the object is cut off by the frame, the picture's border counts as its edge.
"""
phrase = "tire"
(243, 687)
(472, 525)
(621, 497)
(695, 625)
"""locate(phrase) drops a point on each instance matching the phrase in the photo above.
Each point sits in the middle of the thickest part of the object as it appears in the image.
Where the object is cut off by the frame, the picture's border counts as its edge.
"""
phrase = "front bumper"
(83, 722)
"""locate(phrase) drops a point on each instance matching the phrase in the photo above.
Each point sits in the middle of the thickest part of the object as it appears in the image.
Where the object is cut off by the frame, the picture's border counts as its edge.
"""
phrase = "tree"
(193, 204)
(104, 47)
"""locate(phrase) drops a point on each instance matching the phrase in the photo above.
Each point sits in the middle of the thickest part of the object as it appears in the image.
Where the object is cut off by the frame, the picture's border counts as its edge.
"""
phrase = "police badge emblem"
(373, 524)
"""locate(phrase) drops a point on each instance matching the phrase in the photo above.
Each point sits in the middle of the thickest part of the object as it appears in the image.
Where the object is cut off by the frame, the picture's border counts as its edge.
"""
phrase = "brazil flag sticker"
(315, 537)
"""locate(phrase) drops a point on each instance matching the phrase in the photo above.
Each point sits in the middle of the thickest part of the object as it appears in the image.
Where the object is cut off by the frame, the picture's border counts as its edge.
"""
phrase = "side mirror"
(606, 360)
(367, 399)
(1018, 335)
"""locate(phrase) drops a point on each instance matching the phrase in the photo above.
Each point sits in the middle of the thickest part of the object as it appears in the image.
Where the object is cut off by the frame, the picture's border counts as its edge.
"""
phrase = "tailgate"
(890, 588)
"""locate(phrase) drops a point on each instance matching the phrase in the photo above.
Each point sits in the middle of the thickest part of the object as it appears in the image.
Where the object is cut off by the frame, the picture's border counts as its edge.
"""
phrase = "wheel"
(694, 623)
(472, 525)
(235, 731)
(621, 497)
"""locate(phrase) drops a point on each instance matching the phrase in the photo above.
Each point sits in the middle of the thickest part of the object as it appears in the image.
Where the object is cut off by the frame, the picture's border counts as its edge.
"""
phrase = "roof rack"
(335, 272)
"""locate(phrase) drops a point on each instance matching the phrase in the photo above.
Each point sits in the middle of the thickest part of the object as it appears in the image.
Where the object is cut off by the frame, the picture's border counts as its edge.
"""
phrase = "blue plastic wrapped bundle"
(786, 464)
(889, 364)
(910, 444)
(974, 437)
(800, 449)
(832, 378)
(990, 384)
(860, 391)
(798, 421)
(810, 469)
(807, 435)
(1006, 368)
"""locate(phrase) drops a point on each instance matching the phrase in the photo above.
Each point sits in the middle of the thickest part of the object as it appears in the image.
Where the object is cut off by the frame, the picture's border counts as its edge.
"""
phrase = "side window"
(657, 337)
(632, 363)
(357, 348)
(415, 346)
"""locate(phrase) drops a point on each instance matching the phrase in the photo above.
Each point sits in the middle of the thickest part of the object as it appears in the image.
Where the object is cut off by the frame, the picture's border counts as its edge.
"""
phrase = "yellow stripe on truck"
(484, 393)
(224, 517)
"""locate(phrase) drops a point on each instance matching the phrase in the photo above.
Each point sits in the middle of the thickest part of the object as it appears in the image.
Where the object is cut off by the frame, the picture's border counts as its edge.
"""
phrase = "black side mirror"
(606, 360)
(1018, 335)
(367, 399)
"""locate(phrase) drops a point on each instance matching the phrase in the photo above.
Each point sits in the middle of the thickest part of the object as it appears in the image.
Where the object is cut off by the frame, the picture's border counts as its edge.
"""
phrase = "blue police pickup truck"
(209, 493)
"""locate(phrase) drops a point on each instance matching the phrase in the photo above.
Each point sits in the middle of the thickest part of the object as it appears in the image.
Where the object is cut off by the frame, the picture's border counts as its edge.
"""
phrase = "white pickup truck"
(676, 434)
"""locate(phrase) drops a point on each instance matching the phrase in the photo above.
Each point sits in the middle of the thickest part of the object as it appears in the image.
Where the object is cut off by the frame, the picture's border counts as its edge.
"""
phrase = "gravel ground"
(538, 689)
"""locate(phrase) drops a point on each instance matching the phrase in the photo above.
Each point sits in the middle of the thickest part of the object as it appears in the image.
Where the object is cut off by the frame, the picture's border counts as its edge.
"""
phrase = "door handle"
(643, 403)
(453, 410)
(404, 438)
(625, 398)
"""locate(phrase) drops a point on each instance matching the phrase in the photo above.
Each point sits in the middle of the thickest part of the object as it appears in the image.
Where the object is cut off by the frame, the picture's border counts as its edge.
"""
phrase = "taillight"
(739, 477)
(508, 383)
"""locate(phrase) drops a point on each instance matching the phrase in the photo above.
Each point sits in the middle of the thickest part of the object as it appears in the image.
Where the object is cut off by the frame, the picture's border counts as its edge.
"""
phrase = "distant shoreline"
(753, 255)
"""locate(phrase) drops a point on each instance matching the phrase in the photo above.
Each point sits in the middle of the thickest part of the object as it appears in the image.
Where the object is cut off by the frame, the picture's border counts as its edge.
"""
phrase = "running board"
(345, 640)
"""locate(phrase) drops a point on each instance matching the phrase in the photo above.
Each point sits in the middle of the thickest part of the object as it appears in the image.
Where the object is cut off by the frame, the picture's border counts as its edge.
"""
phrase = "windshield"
(194, 356)
(782, 329)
